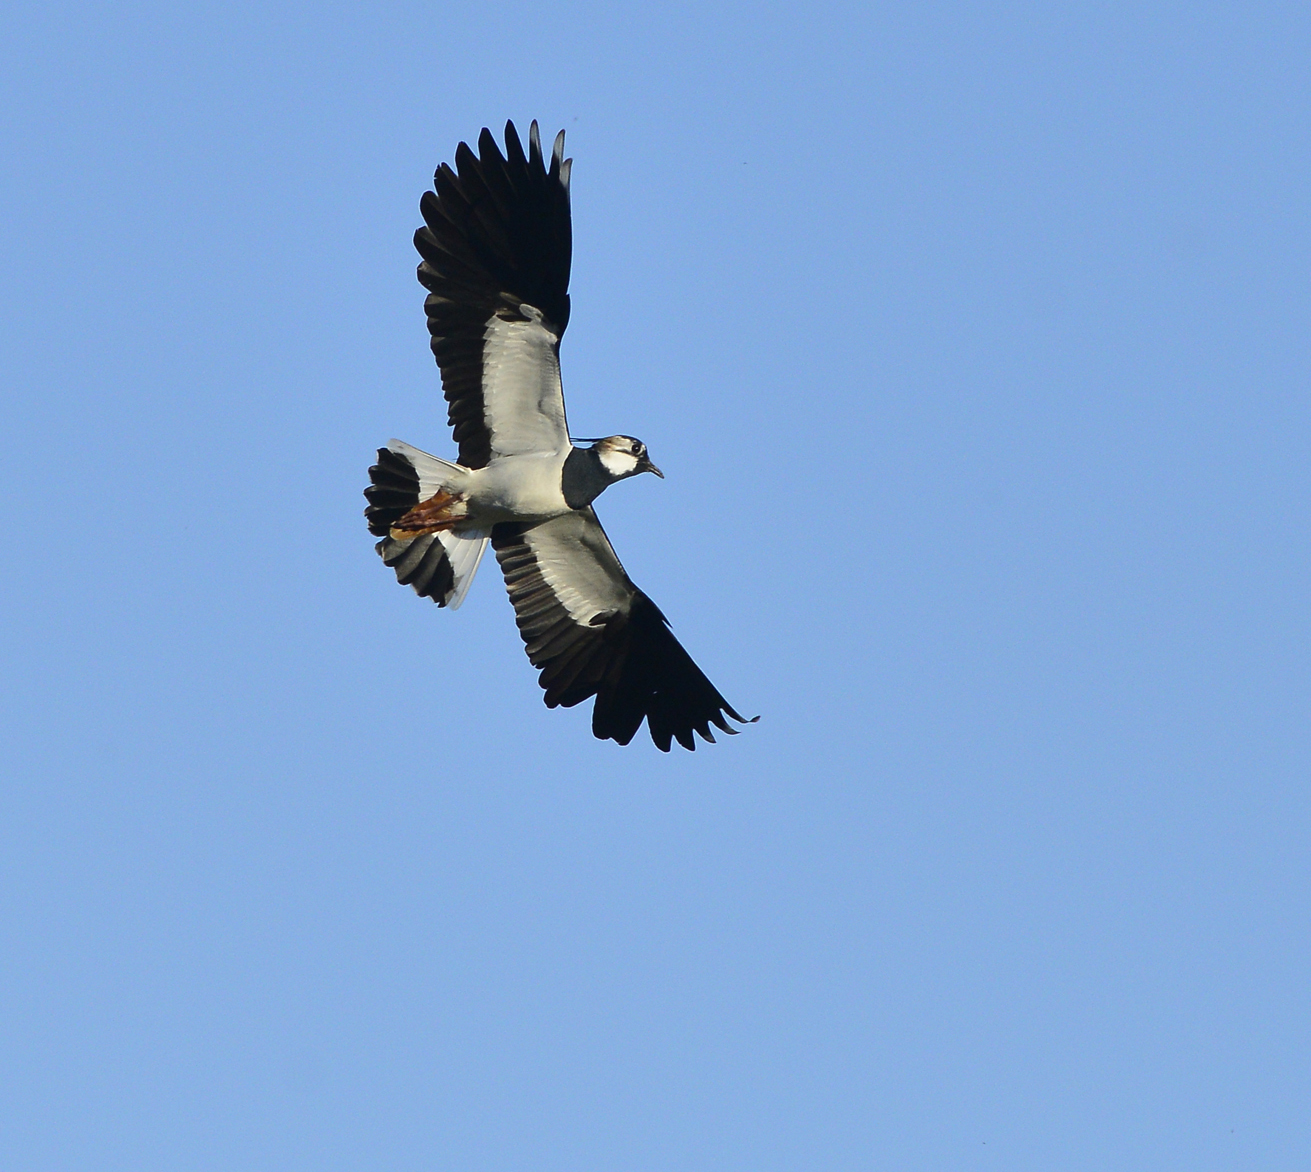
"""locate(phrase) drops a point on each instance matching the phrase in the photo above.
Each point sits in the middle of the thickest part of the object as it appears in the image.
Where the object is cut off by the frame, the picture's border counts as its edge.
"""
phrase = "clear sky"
(972, 339)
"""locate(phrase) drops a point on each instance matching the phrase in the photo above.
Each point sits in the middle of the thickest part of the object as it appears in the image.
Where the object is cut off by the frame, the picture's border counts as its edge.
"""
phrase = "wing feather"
(591, 632)
(497, 246)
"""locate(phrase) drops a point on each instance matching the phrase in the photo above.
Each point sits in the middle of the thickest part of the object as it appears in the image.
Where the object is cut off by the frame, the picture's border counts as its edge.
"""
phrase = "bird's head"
(622, 456)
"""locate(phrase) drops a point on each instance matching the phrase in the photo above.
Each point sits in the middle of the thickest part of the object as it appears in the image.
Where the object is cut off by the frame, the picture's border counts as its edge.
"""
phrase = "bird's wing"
(496, 246)
(593, 633)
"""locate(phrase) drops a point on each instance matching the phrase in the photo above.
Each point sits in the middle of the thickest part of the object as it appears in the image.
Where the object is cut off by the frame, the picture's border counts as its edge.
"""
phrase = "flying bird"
(496, 244)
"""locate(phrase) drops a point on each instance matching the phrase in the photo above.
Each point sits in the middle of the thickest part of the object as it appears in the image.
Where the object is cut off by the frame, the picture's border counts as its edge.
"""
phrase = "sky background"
(972, 339)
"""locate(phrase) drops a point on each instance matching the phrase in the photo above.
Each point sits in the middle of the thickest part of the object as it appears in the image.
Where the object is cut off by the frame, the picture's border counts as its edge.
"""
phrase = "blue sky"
(972, 341)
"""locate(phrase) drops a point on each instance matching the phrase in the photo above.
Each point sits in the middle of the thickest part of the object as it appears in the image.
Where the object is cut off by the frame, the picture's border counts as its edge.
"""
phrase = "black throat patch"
(584, 478)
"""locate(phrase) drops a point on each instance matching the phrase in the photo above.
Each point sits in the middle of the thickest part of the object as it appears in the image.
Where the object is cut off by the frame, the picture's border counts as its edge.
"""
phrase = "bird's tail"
(439, 564)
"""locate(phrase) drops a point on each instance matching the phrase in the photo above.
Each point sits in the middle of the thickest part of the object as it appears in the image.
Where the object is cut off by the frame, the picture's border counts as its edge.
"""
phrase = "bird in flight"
(496, 244)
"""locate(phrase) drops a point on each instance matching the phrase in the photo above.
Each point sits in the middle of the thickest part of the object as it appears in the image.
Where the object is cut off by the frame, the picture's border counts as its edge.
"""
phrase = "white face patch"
(616, 463)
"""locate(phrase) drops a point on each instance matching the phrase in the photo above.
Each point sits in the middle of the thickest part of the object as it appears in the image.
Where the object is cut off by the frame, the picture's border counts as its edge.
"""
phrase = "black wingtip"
(514, 147)
(487, 147)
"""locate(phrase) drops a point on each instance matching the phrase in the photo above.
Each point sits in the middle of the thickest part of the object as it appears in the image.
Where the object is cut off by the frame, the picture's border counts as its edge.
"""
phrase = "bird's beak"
(646, 466)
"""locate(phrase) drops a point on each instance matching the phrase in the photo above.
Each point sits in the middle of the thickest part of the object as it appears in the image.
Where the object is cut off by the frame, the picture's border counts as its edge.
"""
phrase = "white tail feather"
(464, 551)
(433, 472)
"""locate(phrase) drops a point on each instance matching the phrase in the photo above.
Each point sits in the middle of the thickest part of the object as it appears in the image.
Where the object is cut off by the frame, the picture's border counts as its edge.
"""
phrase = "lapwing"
(496, 244)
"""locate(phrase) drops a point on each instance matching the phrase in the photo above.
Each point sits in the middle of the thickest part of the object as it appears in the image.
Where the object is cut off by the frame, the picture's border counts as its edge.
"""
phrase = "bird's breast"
(518, 488)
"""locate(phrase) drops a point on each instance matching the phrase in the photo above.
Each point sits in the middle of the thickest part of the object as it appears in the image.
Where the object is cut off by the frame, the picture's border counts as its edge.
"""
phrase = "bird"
(496, 245)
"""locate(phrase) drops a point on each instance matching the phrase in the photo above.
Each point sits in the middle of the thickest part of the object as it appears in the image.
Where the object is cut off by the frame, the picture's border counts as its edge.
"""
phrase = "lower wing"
(593, 633)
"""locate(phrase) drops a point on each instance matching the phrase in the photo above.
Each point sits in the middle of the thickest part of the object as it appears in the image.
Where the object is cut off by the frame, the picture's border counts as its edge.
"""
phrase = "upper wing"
(496, 246)
(593, 633)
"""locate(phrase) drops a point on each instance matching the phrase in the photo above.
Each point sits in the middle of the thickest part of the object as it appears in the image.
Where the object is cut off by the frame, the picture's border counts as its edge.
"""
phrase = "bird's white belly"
(518, 488)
